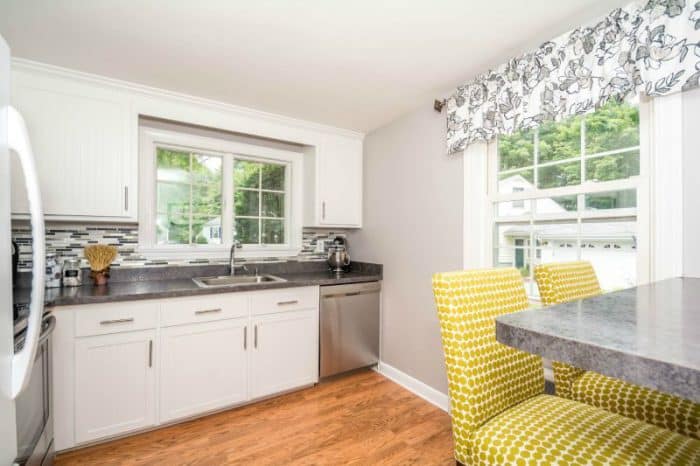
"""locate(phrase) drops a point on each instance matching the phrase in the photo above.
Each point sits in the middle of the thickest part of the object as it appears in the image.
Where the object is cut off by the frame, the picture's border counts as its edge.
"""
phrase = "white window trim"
(481, 194)
(150, 138)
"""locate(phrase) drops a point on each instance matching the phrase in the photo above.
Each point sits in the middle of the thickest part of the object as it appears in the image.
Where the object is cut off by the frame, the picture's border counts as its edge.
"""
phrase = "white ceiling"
(356, 64)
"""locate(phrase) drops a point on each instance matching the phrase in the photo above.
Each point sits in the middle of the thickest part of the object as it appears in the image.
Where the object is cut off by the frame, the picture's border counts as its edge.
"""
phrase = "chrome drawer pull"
(207, 311)
(245, 337)
(150, 353)
(117, 321)
(285, 303)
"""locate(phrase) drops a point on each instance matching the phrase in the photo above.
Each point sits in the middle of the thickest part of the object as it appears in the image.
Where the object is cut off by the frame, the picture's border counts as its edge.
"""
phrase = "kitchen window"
(571, 190)
(200, 194)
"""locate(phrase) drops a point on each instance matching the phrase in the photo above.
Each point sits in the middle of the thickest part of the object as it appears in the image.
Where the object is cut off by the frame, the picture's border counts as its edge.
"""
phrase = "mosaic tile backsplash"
(68, 240)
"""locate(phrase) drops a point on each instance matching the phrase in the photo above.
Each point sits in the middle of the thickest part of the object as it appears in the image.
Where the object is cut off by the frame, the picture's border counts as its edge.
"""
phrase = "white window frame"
(151, 138)
(482, 197)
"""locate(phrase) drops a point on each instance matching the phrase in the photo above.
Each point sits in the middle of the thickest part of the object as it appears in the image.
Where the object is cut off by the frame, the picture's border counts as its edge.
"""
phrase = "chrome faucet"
(232, 257)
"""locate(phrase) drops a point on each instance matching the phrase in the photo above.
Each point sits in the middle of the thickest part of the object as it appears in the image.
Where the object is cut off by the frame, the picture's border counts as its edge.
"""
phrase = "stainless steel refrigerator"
(26, 421)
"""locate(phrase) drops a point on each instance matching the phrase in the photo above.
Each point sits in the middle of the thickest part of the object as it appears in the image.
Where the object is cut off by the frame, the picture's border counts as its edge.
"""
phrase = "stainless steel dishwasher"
(349, 327)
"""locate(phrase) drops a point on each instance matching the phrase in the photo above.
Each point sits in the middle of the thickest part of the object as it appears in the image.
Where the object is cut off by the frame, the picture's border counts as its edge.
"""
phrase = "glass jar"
(72, 275)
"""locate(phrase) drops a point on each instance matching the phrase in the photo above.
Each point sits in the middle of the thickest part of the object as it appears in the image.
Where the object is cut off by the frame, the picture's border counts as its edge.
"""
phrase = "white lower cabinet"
(204, 366)
(125, 367)
(285, 352)
(114, 384)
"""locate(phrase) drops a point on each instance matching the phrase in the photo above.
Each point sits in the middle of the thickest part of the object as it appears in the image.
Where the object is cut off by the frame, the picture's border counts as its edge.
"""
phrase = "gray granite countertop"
(174, 286)
(647, 335)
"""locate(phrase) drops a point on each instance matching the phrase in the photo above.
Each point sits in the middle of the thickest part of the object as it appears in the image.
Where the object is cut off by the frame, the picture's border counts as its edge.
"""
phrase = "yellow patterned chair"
(500, 414)
(568, 281)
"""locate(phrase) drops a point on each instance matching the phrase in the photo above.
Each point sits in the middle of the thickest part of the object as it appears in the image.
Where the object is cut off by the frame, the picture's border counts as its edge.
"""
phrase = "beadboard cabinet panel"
(83, 136)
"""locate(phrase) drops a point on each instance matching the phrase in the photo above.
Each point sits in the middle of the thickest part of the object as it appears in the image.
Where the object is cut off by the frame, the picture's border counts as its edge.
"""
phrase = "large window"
(199, 195)
(567, 191)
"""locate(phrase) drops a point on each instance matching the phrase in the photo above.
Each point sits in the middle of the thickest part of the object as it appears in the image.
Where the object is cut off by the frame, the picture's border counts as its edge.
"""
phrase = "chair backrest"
(566, 281)
(484, 376)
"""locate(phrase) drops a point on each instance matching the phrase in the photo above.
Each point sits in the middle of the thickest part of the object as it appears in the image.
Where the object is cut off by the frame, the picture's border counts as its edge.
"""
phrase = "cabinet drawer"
(103, 319)
(203, 308)
(287, 299)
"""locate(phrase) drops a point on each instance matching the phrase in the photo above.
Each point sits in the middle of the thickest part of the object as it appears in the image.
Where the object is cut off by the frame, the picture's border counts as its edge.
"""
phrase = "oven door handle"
(18, 141)
(46, 333)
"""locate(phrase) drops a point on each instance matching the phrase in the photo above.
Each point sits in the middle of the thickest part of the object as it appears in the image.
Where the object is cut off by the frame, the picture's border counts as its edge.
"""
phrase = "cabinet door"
(83, 142)
(114, 384)
(204, 366)
(340, 182)
(285, 352)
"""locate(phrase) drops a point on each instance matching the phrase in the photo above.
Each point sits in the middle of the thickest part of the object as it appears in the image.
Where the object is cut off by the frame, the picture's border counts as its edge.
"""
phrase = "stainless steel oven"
(33, 406)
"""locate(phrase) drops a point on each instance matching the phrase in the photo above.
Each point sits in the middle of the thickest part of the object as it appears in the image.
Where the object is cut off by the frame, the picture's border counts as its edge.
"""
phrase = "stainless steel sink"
(236, 280)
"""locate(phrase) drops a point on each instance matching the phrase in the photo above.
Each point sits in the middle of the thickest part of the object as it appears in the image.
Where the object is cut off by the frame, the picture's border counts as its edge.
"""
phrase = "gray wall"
(413, 196)
(691, 187)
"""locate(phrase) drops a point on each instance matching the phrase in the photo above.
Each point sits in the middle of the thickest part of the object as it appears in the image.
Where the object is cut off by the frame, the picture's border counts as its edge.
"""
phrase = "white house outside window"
(570, 191)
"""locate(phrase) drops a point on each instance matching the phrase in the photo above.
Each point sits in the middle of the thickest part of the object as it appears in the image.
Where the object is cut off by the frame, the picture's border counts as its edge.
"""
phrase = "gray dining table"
(648, 335)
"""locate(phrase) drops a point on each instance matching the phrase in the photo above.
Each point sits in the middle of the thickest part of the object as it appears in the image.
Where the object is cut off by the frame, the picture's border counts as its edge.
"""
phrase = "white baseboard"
(413, 385)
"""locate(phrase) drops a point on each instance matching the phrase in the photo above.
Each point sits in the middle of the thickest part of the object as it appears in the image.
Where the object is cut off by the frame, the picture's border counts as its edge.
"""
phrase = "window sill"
(212, 252)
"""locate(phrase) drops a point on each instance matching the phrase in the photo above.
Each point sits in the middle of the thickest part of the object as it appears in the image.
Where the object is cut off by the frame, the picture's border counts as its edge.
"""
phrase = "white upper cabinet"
(333, 183)
(84, 141)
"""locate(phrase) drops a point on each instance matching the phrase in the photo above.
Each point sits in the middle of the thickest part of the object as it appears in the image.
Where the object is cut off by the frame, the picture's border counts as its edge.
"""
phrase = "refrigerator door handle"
(18, 139)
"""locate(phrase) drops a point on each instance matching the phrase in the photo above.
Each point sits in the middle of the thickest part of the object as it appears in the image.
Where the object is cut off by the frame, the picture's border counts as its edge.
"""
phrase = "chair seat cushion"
(644, 404)
(547, 429)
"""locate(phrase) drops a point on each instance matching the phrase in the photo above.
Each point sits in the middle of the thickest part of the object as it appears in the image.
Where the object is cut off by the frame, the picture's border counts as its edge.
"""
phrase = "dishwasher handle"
(350, 293)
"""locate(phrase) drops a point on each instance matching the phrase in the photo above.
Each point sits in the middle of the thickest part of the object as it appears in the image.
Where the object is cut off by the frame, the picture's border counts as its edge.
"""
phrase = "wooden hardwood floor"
(362, 418)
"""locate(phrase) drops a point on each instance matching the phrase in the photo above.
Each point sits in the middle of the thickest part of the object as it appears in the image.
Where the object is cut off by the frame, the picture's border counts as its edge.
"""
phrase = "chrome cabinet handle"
(126, 198)
(323, 210)
(285, 303)
(208, 311)
(117, 321)
(255, 337)
(150, 353)
(245, 338)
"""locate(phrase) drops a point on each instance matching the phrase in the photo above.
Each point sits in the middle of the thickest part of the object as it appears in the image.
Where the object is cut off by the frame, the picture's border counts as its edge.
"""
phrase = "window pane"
(611, 246)
(273, 176)
(613, 167)
(514, 208)
(247, 230)
(206, 200)
(246, 174)
(565, 174)
(557, 204)
(206, 169)
(173, 197)
(172, 229)
(273, 232)
(516, 182)
(614, 126)
(516, 150)
(612, 200)
(172, 165)
(560, 140)
(272, 204)
(247, 203)
(206, 229)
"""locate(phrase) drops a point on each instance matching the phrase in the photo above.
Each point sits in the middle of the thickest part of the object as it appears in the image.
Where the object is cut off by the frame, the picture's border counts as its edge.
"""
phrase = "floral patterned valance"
(651, 47)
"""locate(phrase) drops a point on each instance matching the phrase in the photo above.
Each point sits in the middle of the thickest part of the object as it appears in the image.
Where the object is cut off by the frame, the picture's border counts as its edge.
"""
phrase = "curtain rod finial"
(438, 104)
